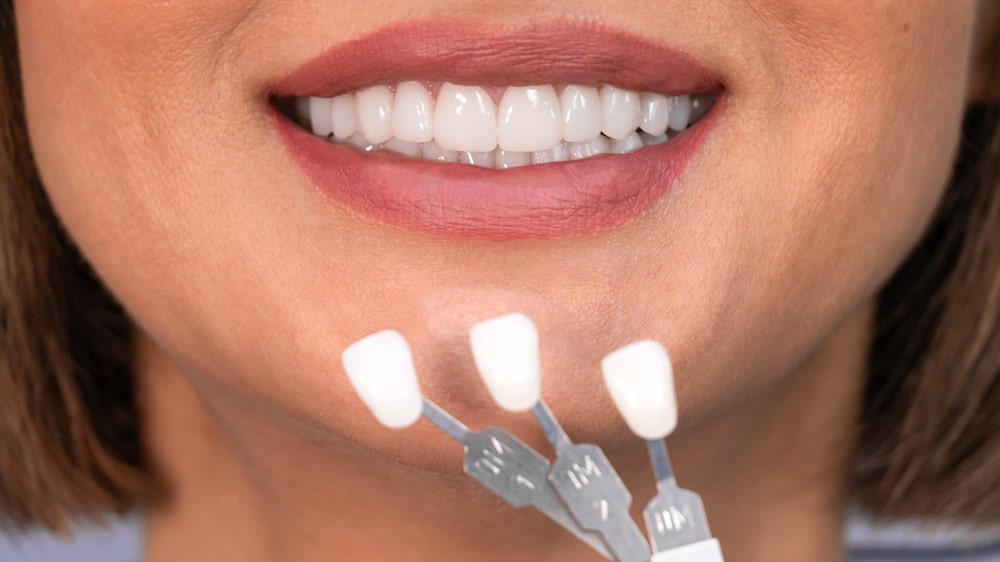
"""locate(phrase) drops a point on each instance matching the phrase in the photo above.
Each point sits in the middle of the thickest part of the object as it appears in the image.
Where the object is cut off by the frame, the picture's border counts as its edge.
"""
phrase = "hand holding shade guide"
(506, 353)
(380, 367)
(640, 379)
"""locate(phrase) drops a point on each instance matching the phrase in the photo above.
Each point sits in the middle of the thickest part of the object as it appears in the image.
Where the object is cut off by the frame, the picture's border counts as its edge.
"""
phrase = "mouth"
(457, 130)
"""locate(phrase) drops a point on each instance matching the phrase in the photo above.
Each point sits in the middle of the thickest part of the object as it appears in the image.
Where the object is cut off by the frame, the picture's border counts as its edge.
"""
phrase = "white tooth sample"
(581, 150)
(320, 116)
(433, 151)
(640, 380)
(344, 116)
(554, 154)
(529, 119)
(413, 113)
(362, 144)
(582, 116)
(630, 143)
(465, 119)
(506, 159)
(620, 109)
(483, 159)
(411, 149)
(680, 112)
(505, 350)
(375, 114)
(380, 367)
(655, 110)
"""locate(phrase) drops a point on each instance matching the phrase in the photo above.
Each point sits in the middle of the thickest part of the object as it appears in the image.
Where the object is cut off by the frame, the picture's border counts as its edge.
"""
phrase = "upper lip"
(551, 52)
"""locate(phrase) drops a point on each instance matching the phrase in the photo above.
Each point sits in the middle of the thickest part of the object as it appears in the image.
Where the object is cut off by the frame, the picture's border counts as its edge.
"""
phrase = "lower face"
(252, 251)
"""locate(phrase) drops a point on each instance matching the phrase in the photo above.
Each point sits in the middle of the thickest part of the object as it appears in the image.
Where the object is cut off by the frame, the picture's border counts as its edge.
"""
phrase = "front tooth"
(630, 143)
(433, 151)
(506, 159)
(375, 114)
(413, 113)
(505, 351)
(465, 119)
(581, 113)
(411, 149)
(484, 159)
(529, 119)
(320, 110)
(555, 154)
(640, 380)
(621, 111)
(655, 113)
(344, 116)
(680, 112)
(581, 150)
(380, 367)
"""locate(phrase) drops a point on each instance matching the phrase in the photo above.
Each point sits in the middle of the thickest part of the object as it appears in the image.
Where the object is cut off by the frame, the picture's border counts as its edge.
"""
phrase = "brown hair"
(70, 428)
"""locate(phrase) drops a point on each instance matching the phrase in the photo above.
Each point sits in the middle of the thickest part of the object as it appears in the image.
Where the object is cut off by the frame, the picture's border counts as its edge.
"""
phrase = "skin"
(758, 272)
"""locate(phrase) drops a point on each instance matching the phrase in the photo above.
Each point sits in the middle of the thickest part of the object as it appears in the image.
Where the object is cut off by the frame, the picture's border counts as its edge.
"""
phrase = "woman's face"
(252, 255)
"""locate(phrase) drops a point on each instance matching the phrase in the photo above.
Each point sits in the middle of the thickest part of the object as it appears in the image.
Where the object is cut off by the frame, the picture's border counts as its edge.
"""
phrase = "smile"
(551, 130)
(503, 128)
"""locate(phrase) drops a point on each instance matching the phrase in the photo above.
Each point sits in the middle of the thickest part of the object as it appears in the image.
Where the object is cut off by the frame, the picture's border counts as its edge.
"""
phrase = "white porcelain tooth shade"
(505, 350)
(380, 367)
(640, 380)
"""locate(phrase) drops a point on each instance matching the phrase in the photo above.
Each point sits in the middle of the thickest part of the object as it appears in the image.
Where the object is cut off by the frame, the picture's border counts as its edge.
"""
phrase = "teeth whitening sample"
(527, 125)
(381, 370)
(579, 490)
(640, 380)
(505, 350)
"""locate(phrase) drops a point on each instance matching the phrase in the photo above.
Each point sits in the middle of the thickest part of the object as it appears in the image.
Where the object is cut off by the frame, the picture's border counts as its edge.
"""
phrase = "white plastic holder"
(704, 551)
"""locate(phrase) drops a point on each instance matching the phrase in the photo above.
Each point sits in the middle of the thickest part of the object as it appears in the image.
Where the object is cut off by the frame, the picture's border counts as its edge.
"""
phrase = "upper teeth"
(532, 124)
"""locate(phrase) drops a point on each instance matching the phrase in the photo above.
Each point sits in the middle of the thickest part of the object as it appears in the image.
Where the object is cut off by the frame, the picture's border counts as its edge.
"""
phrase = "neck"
(245, 484)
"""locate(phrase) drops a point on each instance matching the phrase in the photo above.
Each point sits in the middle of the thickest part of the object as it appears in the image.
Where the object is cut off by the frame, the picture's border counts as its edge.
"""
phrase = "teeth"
(533, 124)
(505, 350)
(628, 144)
(375, 114)
(621, 112)
(581, 150)
(380, 368)
(680, 112)
(529, 119)
(484, 159)
(413, 113)
(655, 113)
(433, 151)
(362, 144)
(581, 113)
(640, 380)
(344, 116)
(465, 119)
(505, 159)
(411, 149)
(554, 154)
(319, 116)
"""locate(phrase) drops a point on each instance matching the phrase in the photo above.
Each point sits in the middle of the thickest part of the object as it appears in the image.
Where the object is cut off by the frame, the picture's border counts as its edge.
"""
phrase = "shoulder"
(921, 542)
(119, 541)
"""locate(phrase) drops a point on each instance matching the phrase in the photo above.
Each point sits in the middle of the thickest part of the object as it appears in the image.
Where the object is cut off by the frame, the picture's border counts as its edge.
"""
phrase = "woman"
(185, 261)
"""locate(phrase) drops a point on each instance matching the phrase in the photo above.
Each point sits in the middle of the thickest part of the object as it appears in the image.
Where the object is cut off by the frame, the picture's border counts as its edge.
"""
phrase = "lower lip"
(557, 200)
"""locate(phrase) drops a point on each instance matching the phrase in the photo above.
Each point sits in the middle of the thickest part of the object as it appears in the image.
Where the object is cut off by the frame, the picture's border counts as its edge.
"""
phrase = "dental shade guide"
(381, 370)
(506, 353)
(580, 491)
(639, 378)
